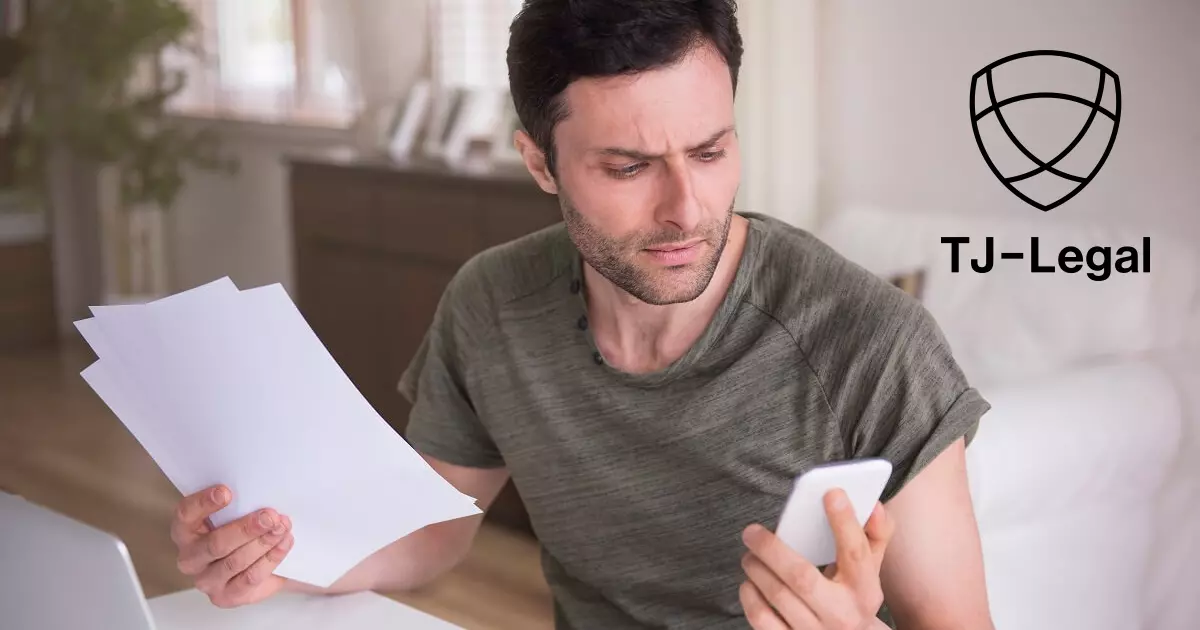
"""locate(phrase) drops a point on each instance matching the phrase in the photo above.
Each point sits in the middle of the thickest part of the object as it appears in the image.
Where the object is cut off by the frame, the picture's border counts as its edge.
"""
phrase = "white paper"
(137, 352)
(233, 387)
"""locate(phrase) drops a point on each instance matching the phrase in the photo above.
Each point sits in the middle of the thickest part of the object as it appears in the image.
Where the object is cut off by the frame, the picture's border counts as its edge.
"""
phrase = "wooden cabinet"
(375, 245)
(27, 314)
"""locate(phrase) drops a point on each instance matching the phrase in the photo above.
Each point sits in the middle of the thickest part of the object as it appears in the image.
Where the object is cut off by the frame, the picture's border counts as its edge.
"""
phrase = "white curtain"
(777, 109)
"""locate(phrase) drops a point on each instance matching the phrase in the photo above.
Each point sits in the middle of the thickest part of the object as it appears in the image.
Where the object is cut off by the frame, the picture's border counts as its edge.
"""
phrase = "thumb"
(879, 530)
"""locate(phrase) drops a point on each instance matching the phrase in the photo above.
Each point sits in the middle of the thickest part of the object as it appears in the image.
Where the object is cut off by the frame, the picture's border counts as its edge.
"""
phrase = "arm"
(932, 574)
(427, 553)
(921, 555)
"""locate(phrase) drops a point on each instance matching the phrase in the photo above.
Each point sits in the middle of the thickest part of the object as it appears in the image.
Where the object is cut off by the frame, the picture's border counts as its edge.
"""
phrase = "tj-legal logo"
(1045, 121)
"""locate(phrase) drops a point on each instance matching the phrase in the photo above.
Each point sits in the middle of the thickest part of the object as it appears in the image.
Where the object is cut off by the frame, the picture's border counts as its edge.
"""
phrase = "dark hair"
(554, 42)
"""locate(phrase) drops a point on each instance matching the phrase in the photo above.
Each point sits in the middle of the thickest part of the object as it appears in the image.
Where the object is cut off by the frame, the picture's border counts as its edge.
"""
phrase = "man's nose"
(679, 206)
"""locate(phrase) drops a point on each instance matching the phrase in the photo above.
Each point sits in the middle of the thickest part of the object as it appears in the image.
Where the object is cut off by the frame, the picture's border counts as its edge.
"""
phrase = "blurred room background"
(357, 152)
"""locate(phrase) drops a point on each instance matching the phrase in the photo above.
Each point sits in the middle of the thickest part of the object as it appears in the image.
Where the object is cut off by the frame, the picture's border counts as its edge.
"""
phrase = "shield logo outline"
(1040, 165)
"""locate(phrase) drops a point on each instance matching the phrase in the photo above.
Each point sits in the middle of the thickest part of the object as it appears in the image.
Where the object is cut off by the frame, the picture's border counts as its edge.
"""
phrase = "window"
(269, 60)
(470, 41)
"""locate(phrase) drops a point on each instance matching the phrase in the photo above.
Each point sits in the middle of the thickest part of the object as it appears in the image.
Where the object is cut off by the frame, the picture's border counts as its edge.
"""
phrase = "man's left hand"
(784, 591)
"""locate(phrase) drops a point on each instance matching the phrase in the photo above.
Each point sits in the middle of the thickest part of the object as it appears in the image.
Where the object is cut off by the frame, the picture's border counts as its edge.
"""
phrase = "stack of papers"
(227, 386)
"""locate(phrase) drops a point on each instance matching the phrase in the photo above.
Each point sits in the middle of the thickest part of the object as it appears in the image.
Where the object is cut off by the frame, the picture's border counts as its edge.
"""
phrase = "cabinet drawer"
(513, 213)
(432, 224)
(333, 205)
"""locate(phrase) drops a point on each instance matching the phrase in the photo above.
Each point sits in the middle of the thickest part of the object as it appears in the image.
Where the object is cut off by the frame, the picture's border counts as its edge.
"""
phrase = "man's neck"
(637, 337)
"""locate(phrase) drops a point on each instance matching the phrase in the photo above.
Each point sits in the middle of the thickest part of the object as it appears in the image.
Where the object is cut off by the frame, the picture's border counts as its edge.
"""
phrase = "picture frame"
(376, 123)
(446, 107)
(408, 121)
(475, 127)
(504, 150)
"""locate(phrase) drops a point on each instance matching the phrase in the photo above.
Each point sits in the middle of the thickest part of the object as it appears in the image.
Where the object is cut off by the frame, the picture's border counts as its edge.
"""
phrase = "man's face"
(647, 170)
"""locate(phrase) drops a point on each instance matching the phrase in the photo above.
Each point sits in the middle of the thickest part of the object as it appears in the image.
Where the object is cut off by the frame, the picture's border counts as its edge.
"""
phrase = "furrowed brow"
(634, 154)
(712, 140)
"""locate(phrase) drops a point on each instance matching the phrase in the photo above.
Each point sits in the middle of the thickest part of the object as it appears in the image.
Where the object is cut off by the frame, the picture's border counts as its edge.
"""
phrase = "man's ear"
(535, 161)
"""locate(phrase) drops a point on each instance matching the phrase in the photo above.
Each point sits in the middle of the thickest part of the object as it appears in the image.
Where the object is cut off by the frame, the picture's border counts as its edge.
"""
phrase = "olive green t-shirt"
(638, 486)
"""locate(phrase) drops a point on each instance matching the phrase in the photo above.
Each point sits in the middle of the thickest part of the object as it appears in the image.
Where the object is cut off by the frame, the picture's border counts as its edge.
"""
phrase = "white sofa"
(1085, 474)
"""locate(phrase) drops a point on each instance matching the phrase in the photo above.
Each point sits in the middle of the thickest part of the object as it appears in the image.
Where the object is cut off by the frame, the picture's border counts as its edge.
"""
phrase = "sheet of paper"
(133, 350)
(107, 385)
(233, 387)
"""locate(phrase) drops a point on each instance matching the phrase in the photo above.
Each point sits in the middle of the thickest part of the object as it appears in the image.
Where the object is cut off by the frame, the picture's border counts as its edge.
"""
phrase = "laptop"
(59, 574)
(56, 572)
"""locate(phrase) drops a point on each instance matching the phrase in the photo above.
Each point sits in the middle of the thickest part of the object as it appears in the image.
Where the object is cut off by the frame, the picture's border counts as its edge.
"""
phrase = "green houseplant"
(85, 78)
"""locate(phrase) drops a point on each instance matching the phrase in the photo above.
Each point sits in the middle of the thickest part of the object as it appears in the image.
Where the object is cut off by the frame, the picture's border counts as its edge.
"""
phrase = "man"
(655, 371)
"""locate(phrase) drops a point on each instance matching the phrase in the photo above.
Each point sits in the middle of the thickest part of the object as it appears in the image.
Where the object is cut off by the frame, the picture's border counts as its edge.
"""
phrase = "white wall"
(240, 226)
(776, 109)
(895, 126)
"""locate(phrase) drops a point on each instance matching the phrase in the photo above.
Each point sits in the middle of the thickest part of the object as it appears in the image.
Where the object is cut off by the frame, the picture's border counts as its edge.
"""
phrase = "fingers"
(797, 574)
(767, 585)
(258, 581)
(854, 559)
(195, 557)
(192, 512)
(217, 574)
(879, 531)
(758, 611)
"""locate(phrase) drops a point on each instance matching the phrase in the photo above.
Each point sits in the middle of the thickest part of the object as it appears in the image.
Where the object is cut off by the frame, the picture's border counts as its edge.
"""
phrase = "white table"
(191, 610)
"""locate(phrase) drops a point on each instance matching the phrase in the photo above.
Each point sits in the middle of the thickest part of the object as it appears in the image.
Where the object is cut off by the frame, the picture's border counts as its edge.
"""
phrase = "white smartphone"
(804, 525)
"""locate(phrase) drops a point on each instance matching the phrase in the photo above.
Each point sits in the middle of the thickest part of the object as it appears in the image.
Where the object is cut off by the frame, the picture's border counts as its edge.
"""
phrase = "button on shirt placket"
(582, 322)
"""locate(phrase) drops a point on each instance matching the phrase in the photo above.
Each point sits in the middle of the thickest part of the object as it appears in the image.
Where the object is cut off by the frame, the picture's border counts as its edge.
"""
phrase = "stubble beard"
(615, 258)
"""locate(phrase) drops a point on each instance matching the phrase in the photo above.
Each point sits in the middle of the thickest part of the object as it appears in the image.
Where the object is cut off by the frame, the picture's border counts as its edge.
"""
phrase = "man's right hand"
(234, 564)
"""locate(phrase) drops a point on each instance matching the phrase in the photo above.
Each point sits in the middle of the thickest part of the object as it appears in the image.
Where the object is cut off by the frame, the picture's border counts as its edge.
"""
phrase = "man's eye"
(711, 156)
(627, 171)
